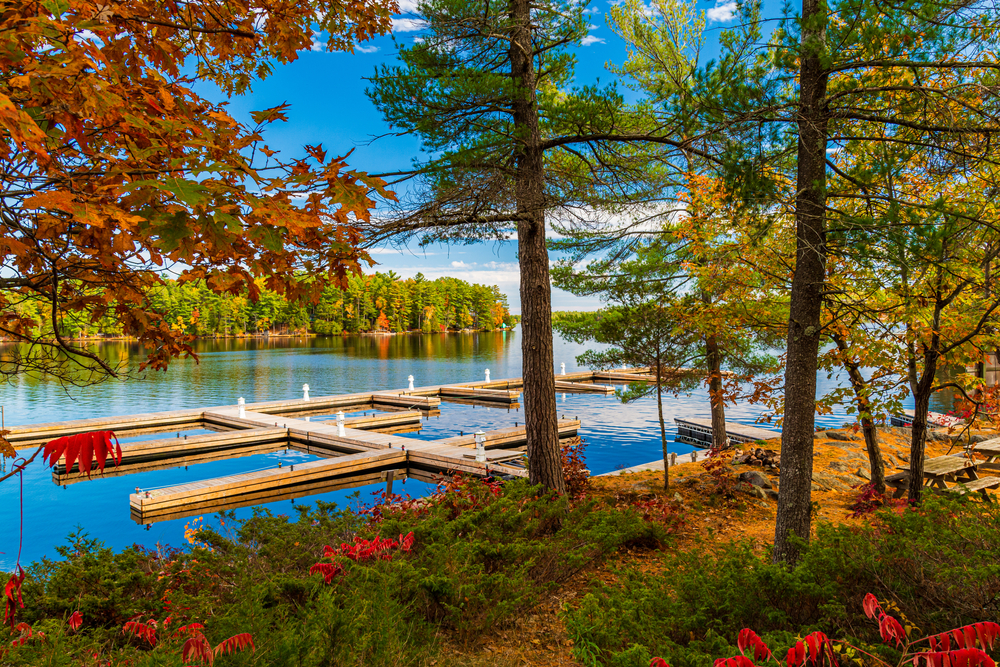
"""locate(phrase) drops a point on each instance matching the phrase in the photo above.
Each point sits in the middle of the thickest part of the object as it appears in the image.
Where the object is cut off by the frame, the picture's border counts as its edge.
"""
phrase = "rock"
(678, 498)
(754, 491)
(820, 435)
(839, 467)
(816, 487)
(754, 478)
(940, 436)
(771, 494)
(829, 481)
(863, 474)
(841, 435)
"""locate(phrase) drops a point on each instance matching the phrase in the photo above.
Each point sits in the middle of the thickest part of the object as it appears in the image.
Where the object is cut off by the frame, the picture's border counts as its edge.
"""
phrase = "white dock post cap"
(562, 368)
(487, 375)
(305, 392)
(340, 423)
(242, 405)
(480, 446)
(410, 380)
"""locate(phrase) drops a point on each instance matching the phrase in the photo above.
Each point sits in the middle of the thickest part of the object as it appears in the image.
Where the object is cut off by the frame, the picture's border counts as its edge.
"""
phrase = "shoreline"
(256, 336)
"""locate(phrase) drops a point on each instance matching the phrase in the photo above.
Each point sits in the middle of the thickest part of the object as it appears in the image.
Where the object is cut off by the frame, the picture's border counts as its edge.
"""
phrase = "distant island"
(379, 303)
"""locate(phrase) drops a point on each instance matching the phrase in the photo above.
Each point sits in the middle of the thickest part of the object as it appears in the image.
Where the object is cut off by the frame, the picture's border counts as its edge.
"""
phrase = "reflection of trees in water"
(446, 346)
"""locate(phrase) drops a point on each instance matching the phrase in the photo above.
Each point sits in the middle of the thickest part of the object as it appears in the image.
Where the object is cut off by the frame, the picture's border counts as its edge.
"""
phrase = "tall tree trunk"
(922, 391)
(544, 460)
(806, 300)
(714, 361)
(663, 426)
(875, 463)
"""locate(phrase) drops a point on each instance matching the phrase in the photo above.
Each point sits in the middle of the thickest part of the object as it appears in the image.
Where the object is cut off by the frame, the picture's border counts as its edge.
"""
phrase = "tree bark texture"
(714, 361)
(922, 391)
(544, 456)
(875, 462)
(806, 300)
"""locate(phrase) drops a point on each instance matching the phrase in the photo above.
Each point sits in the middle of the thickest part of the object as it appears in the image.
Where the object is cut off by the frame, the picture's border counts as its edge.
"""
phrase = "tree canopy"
(113, 169)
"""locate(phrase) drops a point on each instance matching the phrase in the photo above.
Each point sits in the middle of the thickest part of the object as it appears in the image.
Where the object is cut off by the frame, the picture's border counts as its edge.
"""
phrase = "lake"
(269, 369)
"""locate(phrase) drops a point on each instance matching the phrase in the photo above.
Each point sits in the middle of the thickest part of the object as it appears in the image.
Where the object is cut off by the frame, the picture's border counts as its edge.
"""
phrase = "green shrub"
(934, 563)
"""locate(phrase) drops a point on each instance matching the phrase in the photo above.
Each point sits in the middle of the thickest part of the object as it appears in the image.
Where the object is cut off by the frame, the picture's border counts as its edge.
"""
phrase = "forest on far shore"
(380, 302)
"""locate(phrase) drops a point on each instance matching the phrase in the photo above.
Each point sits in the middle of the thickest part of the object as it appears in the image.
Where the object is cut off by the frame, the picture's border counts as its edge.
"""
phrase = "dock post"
(487, 375)
(410, 380)
(340, 424)
(305, 392)
(562, 368)
(242, 405)
(388, 484)
(480, 446)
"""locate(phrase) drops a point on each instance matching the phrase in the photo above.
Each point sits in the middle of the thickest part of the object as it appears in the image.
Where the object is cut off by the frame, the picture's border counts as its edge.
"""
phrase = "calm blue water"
(616, 435)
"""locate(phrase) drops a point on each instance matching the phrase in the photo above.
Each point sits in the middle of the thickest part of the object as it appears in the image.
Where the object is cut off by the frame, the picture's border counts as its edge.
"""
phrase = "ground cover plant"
(328, 586)
(933, 567)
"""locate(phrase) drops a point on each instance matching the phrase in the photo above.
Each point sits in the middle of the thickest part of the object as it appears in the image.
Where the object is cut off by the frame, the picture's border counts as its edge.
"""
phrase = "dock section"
(698, 432)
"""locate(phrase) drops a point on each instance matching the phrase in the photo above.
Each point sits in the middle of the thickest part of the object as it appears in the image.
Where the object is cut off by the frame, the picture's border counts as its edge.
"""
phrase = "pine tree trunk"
(918, 436)
(544, 460)
(663, 426)
(806, 300)
(714, 362)
(875, 463)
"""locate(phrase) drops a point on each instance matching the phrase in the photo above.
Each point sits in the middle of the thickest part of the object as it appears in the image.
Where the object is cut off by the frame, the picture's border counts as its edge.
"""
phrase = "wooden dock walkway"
(364, 449)
(698, 431)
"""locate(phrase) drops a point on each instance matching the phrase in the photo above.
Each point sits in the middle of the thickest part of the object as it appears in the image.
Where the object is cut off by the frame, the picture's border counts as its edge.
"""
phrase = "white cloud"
(408, 25)
(318, 45)
(591, 27)
(418, 40)
(408, 6)
(590, 39)
(461, 265)
(724, 10)
(366, 49)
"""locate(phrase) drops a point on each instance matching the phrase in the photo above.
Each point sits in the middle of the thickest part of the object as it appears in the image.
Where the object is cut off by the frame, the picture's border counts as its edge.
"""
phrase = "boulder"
(839, 466)
(841, 435)
(754, 478)
(771, 494)
(863, 473)
(829, 481)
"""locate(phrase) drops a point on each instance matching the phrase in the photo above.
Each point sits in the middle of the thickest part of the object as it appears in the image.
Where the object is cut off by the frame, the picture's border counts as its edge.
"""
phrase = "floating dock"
(362, 449)
(905, 419)
(698, 432)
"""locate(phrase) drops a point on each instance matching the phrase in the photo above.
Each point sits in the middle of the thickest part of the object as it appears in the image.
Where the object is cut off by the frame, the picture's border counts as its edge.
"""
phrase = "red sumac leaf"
(12, 596)
(870, 605)
(749, 639)
(796, 655)
(235, 643)
(890, 629)
(197, 648)
(75, 620)
(658, 662)
(735, 661)
(86, 455)
(963, 657)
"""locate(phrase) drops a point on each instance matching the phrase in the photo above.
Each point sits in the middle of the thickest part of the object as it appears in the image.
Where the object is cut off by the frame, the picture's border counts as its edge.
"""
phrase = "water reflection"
(276, 368)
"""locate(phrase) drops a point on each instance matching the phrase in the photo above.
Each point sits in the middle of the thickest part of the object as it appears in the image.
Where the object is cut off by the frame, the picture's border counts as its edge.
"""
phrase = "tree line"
(378, 302)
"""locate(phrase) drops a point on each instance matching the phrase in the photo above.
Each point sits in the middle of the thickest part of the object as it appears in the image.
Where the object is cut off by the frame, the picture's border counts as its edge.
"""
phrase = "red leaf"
(406, 543)
(83, 448)
(964, 657)
(235, 643)
(656, 662)
(735, 661)
(197, 648)
(145, 631)
(191, 629)
(870, 605)
(890, 629)
(330, 571)
(75, 620)
(747, 639)
(12, 596)
(86, 456)
(796, 655)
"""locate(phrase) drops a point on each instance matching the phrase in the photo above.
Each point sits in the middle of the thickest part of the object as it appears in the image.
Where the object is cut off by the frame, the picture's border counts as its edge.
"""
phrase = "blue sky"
(328, 106)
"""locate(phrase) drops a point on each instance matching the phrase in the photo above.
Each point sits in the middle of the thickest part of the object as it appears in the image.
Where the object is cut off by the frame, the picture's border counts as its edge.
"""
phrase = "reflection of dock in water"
(354, 451)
